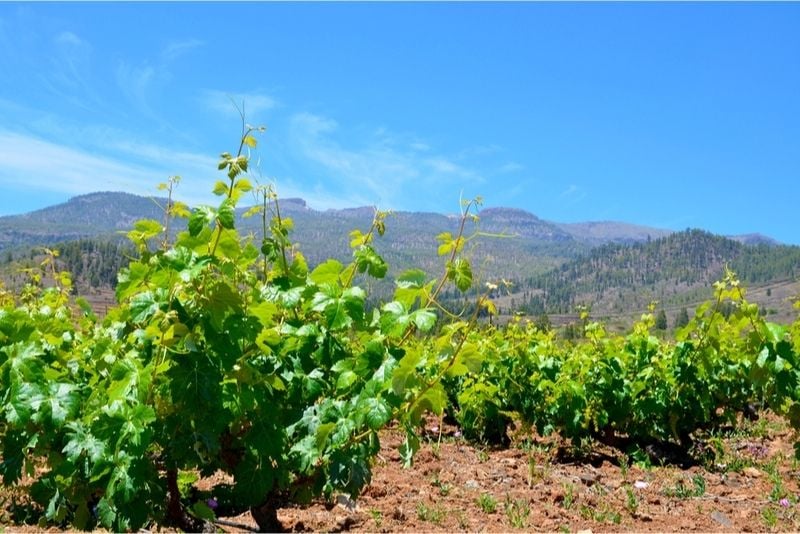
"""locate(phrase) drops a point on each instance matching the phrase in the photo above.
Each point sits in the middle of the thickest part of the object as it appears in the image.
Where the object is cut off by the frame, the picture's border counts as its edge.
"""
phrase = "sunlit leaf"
(220, 188)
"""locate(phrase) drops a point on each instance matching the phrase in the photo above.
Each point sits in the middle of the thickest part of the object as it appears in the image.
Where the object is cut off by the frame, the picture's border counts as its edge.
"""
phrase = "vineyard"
(229, 357)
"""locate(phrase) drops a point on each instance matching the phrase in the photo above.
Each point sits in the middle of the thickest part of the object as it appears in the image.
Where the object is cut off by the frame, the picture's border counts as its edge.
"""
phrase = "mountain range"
(104, 213)
(615, 267)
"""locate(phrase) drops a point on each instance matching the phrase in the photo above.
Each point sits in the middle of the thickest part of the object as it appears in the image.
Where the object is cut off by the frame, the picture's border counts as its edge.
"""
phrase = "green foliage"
(487, 503)
(517, 512)
(227, 353)
(637, 385)
(431, 514)
(682, 319)
(661, 320)
(626, 277)
(222, 355)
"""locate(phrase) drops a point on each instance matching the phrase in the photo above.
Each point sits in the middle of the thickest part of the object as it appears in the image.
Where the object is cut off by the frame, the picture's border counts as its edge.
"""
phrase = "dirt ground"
(745, 481)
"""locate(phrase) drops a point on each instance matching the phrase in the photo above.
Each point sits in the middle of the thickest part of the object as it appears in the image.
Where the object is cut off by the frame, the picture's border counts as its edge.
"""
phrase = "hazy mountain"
(107, 212)
(601, 232)
(675, 270)
(754, 239)
(613, 266)
(519, 243)
(82, 216)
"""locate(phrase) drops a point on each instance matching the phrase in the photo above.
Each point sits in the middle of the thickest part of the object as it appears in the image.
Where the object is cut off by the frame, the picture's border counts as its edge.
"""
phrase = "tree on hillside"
(661, 320)
(682, 319)
(542, 322)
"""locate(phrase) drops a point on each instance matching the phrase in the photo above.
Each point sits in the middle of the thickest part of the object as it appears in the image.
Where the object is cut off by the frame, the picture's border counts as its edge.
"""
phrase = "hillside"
(89, 215)
(601, 232)
(531, 245)
(519, 241)
(676, 270)
(616, 268)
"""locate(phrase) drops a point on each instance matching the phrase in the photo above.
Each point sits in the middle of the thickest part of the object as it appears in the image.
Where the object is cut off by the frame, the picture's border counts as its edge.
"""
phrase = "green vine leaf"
(199, 219)
(226, 214)
(220, 188)
(368, 260)
(459, 272)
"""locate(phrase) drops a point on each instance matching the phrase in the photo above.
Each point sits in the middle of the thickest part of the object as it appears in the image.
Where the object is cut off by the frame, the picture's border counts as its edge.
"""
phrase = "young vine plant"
(225, 354)
(634, 389)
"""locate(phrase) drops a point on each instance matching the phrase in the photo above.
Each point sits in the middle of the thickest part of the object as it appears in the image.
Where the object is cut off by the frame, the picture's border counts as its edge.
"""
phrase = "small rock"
(721, 518)
(640, 484)
(589, 478)
(345, 523)
(347, 503)
(732, 480)
(585, 531)
(471, 484)
(644, 518)
(752, 472)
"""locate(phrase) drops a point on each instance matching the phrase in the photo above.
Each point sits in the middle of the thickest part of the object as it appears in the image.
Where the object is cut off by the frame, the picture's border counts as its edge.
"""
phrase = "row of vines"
(227, 353)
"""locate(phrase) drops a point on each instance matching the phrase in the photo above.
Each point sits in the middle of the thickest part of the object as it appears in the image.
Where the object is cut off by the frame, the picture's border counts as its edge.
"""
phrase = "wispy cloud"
(63, 169)
(380, 170)
(480, 150)
(140, 81)
(444, 166)
(135, 82)
(157, 155)
(67, 38)
(225, 103)
(511, 166)
(421, 147)
(176, 49)
(573, 194)
(60, 168)
(68, 73)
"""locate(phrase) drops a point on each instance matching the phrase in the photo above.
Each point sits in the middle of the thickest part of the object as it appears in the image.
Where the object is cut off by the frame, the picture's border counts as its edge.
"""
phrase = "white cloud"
(135, 81)
(40, 165)
(157, 154)
(420, 147)
(573, 194)
(45, 165)
(67, 38)
(511, 166)
(318, 197)
(443, 165)
(138, 81)
(380, 171)
(176, 49)
(225, 103)
(480, 150)
(67, 70)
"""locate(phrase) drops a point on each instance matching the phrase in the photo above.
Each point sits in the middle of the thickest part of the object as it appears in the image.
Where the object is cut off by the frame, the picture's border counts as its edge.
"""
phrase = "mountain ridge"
(117, 211)
(614, 267)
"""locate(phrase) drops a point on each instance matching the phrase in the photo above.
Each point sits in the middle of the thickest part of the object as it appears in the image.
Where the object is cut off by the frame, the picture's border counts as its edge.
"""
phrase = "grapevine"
(230, 354)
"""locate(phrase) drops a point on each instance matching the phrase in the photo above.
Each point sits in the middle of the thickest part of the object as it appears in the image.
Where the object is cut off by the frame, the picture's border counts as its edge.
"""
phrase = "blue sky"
(670, 115)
